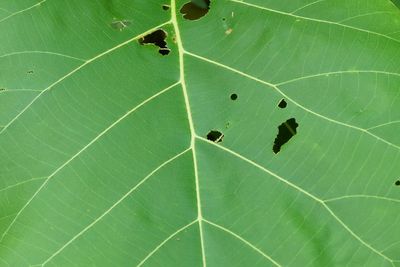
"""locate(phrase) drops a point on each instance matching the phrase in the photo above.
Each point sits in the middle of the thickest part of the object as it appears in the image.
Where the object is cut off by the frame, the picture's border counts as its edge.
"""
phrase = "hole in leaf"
(215, 136)
(282, 104)
(234, 97)
(164, 51)
(156, 38)
(285, 132)
(397, 183)
(195, 9)
(165, 7)
(120, 24)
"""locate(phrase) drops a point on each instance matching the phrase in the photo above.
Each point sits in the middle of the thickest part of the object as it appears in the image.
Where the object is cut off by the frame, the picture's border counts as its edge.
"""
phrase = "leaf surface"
(121, 149)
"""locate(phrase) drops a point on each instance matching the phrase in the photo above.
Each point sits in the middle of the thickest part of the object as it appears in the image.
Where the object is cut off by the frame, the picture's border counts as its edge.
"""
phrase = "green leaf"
(258, 133)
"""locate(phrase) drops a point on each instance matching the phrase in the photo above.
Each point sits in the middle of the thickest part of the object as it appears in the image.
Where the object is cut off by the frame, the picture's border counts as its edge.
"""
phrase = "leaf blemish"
(228, 31)
(120, 24)
(285, 132)
(282, 104)
(156, 38)
(195, 9)
(234, 97)
(397, 183)
(165, 7)
(215, 136)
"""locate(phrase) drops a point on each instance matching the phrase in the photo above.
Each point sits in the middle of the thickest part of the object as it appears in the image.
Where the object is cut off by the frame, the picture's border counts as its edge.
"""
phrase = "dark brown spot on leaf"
(195, 9)
(165, 7)
(156, 38)
(234, 97)
(397, 183)
(285, 132)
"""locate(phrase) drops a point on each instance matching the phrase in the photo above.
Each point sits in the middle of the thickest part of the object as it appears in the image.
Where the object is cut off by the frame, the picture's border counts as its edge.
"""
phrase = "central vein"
(190, 119)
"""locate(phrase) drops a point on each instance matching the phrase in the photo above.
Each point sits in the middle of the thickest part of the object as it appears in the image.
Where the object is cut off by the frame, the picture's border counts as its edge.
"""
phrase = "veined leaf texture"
(199, 133)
